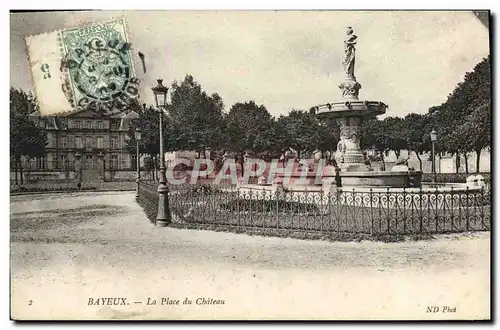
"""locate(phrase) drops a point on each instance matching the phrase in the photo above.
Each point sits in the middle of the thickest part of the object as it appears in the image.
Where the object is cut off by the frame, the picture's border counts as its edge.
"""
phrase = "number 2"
(30, 302)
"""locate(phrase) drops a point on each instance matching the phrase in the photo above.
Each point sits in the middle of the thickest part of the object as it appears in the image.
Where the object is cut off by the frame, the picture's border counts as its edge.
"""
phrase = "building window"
(100, 142)
(100, 124)
(78, 124)
(54, 164)
(40, 163)
(78, 142)
(64, 162)
(88, 142)
(88, 161)
(114, 142)
(114, 161)
(88, 124)
(63, 142)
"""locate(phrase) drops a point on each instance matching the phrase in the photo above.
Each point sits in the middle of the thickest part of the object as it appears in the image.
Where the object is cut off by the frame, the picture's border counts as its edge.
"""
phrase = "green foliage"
(305, 133)
(24, 189)
(329, 135)
(196, 117)
(249, 128)
(26, 139)
(149, 124)
(463, 122)
(383, 135)
(476, 128)
(281, 206)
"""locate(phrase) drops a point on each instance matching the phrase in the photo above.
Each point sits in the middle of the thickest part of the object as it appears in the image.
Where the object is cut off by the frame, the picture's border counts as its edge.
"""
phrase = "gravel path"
(97, 245)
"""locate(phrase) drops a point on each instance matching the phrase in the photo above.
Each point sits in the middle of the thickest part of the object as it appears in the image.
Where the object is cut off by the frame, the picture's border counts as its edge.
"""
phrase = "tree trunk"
(466, 163)
(398, 153)
(478, 157)
(457, 162)
(15, 170)
(21, 170)
(242, 163)
(419, 160)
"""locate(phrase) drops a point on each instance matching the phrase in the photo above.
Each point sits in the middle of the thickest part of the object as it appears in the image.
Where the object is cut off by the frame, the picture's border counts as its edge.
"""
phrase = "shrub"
(282, 206)
(50, 188)
(453, 177)
(197, 190)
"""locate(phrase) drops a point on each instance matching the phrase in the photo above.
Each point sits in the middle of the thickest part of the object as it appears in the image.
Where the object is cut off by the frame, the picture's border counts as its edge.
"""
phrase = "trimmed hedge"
(453, 177)
(45, 189)
(246, 205)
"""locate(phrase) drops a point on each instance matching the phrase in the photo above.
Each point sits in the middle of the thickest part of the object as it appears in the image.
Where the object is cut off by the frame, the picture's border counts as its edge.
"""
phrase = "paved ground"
(93, 245)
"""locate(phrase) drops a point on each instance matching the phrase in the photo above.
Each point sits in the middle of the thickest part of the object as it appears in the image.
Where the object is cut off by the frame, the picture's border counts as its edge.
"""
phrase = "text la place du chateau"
(186, 301)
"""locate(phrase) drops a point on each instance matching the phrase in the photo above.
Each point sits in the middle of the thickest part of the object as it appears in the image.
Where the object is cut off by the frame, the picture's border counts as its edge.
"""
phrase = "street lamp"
(78, 156)
(163, 215)
(137, 139)
(433, 140)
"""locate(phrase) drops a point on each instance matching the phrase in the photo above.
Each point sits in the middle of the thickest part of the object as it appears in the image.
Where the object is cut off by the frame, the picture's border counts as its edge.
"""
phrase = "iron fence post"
(404, 210)
(387, 193)
(371, 211)
(452, 211)
(467, 208)
(321, 210)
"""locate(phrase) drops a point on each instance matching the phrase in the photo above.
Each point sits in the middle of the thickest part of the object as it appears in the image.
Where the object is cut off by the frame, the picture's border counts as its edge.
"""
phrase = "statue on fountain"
(349, 52)
(350, 87)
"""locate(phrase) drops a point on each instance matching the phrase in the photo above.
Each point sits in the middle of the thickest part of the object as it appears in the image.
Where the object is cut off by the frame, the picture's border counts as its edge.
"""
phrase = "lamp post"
(137, 139)
(163, 215)
(78, 156)
(433, 140)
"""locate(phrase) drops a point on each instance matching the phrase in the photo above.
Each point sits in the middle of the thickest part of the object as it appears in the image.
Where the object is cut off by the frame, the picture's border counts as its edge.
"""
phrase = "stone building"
(99, 139)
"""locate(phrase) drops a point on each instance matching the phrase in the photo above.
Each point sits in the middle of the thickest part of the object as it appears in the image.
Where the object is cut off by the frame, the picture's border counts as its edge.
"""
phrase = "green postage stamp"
(83, 66)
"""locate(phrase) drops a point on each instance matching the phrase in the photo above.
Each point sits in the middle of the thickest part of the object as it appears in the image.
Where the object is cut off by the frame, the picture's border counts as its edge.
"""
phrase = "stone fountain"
(349, 113)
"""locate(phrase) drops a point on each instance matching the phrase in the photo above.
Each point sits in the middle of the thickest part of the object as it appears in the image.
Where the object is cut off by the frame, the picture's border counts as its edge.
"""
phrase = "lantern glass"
(160, 92)
(433, 136)
(138, 135)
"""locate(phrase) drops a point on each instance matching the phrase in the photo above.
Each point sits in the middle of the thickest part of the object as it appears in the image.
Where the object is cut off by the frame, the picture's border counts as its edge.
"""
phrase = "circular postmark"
(99, 69)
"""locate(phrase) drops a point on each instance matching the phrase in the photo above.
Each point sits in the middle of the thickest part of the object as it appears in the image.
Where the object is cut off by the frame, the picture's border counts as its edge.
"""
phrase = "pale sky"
(411, 60)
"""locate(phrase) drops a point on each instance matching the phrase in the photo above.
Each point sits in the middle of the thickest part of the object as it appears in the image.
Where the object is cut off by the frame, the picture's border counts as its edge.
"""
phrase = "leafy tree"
(196, 117)
(465, 110)
(384, 135)
(248, 128)
(416, 134)
(26, 139)
(373, 136)
(149, 124)
(329, 135)
(395, 134)
(476, 130)
(299, 131)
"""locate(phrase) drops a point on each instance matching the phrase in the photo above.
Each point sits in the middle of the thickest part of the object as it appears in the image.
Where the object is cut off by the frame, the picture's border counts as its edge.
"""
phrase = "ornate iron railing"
(412, 211)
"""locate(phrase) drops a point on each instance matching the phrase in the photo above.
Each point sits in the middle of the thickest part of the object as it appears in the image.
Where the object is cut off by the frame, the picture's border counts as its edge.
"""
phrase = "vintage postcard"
(250, 165)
